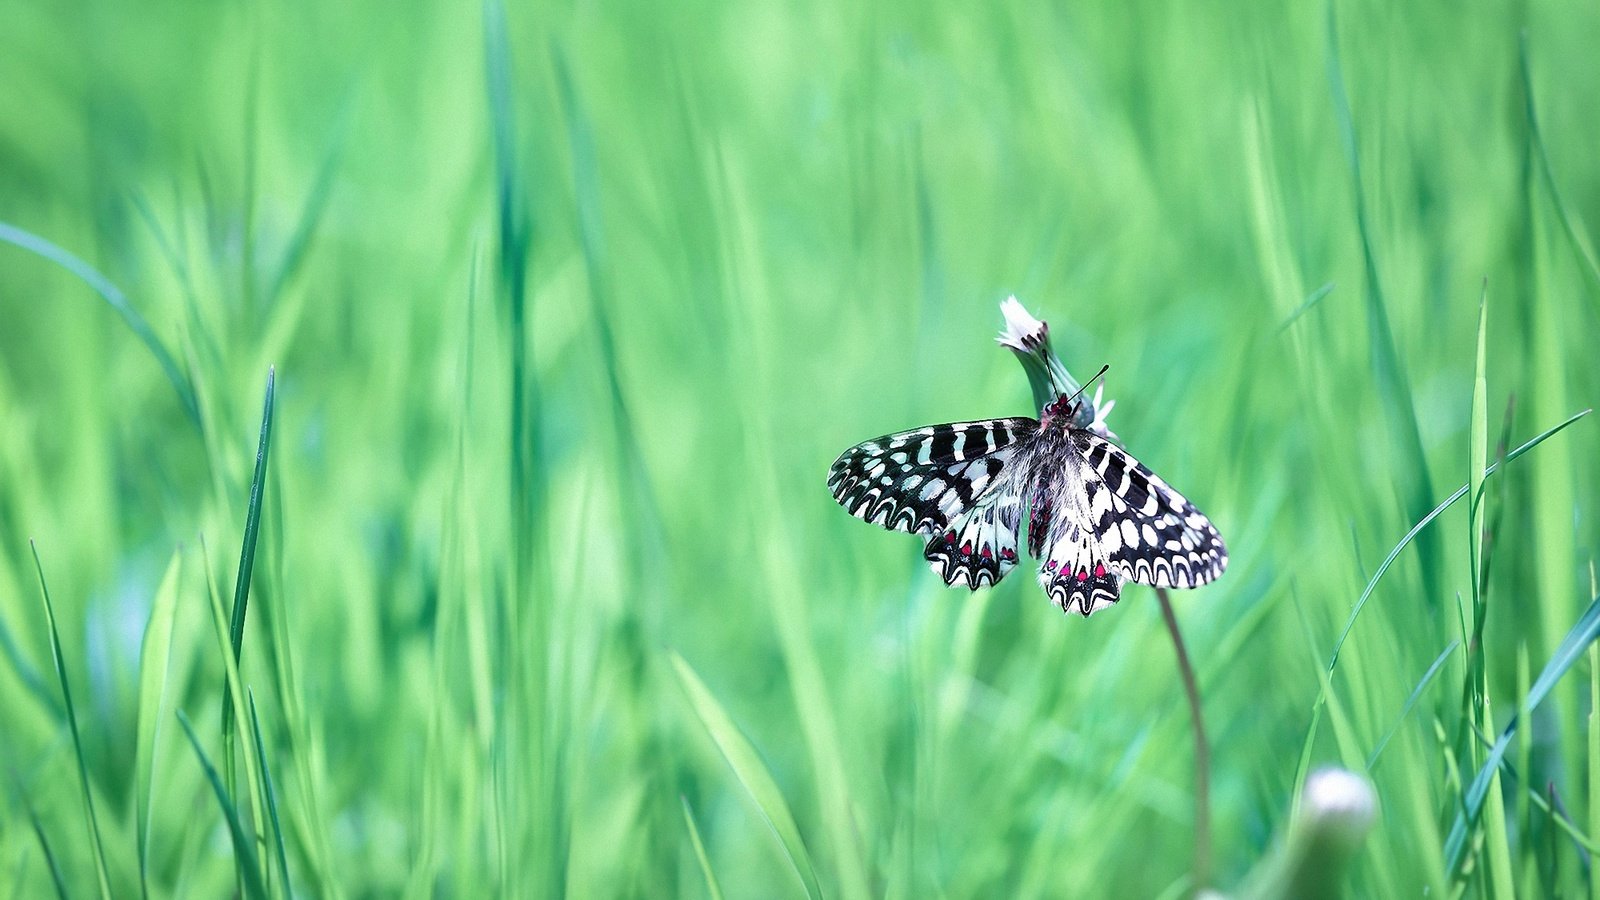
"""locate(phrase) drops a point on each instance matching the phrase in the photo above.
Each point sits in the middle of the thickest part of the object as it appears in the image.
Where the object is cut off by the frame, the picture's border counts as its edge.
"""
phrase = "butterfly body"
(1096, 517)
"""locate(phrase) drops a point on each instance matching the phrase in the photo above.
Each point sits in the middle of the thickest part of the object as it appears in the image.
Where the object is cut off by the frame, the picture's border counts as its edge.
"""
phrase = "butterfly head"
(1075, 410)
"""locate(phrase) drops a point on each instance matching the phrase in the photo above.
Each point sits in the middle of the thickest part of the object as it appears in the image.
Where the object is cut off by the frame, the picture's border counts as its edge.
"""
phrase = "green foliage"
(572, 305)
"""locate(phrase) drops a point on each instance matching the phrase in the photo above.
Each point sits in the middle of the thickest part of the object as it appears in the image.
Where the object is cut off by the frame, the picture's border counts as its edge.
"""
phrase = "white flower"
(1023, 333)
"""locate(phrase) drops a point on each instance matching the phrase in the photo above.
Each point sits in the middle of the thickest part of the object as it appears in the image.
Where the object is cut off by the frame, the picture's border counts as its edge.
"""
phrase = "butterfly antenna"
(1086, 385)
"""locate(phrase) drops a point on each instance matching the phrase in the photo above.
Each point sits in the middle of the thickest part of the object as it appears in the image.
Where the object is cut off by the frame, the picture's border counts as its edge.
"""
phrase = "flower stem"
(1202, 750)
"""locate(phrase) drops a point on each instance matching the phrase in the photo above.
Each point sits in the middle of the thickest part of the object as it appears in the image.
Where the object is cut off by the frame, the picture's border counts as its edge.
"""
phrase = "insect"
(1096, 516)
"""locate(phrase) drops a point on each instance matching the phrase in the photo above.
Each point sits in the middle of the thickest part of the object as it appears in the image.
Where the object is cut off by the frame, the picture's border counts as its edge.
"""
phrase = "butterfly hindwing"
(1146, 530)
(980, 546)
(1073, 568)
(922, 480)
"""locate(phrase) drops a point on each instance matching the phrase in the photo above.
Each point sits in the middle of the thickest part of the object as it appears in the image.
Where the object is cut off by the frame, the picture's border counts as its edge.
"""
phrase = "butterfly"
(1097, 518)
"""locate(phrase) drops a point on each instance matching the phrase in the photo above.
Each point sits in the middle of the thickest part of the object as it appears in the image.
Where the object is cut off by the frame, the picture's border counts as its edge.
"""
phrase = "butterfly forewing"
(1147, 531)
(919, 481)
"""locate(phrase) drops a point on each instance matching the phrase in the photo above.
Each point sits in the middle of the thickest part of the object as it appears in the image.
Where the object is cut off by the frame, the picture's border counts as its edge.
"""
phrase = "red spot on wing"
(1099, 570)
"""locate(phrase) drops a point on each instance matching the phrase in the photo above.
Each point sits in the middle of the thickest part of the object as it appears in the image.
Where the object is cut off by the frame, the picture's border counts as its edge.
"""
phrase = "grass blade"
(56, 877)
(1305, 306)
(752, 773)
(117, 300)
(1497, 842)
(233, 692)
(155, 657)
(1394, 387)
(30, 677)
(712, 887)
(1411, 702)
(1593, 747)
(1573, 647)
(271, 795)
(241, 584)
(252, 522)
(1569, 223)
(243, 846)
(1460, 492)
(72, 723)
(1479, 447)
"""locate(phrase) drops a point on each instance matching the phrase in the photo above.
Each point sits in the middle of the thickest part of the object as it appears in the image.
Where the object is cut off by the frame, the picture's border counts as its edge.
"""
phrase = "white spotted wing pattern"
(1097, 518)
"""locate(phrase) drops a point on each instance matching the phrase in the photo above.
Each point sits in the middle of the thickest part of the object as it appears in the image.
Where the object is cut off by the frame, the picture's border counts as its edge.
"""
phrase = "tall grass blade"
(118, 301)
(241, 584)
(243, 846)
(252, 522)
(91, 819)
(752, 773)
(155, 656)
(1572, 648)
(713, 889)
(1496, 832)
(1478, 448)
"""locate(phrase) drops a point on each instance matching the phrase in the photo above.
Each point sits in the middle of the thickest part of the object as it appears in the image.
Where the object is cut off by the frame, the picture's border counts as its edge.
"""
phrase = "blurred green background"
(572, 305)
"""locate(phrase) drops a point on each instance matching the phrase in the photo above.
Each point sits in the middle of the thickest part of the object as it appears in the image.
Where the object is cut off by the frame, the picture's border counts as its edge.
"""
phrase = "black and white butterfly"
(1096, 517)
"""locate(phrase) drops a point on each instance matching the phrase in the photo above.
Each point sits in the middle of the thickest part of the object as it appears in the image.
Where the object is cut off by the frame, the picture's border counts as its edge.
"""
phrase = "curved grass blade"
(155, 656)
(1460, 492)
(712, 887)
(114, 298)
(243, 847)
(1572, 648)
(72, 723)
(752, 773)
(271, 795)
(1411, 702)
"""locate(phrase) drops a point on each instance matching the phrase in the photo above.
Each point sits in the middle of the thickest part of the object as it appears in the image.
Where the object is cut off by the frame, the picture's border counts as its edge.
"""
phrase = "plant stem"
(1202, 750)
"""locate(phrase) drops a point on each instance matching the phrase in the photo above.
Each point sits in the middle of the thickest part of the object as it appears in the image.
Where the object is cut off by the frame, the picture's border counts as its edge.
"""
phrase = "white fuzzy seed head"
(1340, 800)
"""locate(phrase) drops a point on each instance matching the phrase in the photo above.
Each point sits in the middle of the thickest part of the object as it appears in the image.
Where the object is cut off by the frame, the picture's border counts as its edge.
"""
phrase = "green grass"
(570, 308)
